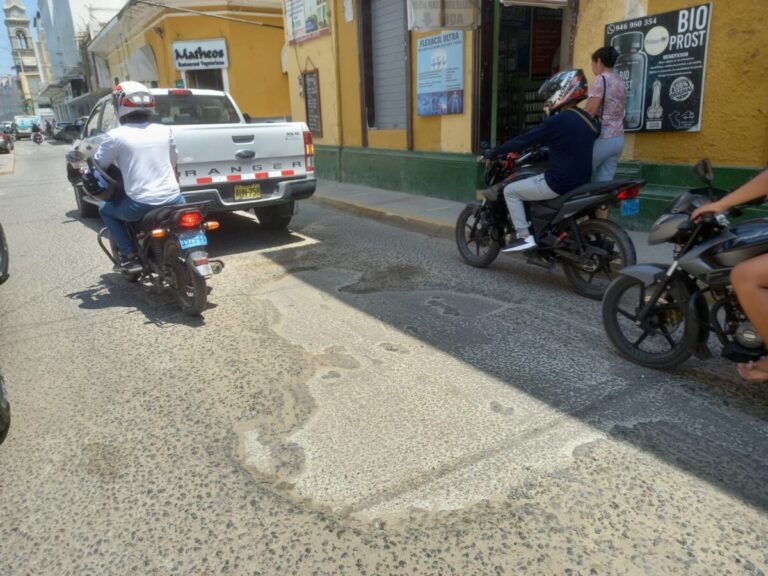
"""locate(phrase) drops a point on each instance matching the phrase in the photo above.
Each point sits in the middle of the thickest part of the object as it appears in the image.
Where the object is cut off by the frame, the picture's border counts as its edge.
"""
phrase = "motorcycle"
(171, 244)
(5, 407)
(591, 250)
(659, 316)
(37, 138)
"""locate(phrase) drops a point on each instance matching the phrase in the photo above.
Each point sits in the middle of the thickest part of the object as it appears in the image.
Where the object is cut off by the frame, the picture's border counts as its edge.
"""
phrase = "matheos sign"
(200, 54)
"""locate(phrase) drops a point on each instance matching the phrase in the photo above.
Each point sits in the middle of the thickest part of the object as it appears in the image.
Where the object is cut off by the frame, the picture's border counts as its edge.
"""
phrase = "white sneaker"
(520, 245)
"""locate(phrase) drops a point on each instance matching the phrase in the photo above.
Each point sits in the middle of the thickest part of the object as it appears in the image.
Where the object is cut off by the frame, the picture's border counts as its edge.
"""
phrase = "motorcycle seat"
(590, 189)
(155, 217)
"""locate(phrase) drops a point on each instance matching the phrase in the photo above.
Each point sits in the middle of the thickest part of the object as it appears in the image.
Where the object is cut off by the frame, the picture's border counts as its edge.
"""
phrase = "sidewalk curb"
(5, 171)
(423, 225)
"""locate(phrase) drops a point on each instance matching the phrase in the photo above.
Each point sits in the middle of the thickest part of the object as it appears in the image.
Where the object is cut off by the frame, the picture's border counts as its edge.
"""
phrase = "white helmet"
(129, 97)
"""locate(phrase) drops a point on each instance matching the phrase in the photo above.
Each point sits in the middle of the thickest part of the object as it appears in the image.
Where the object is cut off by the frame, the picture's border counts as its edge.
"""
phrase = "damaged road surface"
(355, 400)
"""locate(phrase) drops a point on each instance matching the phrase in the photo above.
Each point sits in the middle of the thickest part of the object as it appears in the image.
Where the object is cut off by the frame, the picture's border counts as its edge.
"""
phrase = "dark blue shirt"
(570, 140)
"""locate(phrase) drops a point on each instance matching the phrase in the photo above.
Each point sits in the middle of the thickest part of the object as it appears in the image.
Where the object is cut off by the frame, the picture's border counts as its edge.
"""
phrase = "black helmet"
(103, 184)
(566, 87)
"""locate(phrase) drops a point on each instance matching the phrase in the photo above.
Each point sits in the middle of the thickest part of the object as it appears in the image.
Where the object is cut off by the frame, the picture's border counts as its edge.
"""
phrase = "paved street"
(355, 400)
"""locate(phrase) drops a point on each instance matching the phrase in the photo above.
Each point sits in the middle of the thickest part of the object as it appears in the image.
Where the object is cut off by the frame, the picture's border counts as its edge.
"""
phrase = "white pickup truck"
(231, 164)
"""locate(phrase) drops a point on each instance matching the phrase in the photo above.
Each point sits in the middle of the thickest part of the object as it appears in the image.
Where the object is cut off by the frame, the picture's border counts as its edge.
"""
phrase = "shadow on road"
(700, 419)
(157, 304)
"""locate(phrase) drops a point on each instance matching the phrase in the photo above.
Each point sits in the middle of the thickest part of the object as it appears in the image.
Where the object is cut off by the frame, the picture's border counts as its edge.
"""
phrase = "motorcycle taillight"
(191, 219)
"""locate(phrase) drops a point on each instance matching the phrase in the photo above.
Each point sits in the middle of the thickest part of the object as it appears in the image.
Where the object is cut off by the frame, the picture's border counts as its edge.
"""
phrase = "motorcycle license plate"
(192, 240)
(630, 207)
(247, 191)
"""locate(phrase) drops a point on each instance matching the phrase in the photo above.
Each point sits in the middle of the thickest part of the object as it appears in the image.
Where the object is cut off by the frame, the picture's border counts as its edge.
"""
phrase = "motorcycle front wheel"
(664, 341)
(614, 250)
(474, 241)
(189, 287)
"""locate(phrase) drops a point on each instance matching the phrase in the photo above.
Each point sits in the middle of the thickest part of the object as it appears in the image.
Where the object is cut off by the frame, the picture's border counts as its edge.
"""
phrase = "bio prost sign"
(662, 60)
(200, 54)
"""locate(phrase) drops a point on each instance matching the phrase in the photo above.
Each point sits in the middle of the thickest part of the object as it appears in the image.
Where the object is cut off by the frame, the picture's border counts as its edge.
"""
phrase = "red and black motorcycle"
(567, 230)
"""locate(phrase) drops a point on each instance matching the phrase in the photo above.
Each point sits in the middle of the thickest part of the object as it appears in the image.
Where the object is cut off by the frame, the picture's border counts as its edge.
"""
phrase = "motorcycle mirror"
(703, 170)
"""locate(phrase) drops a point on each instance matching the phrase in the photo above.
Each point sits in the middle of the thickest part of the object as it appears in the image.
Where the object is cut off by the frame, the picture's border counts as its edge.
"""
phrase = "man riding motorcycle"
(749, 278)
(146, 154)
(569, 133)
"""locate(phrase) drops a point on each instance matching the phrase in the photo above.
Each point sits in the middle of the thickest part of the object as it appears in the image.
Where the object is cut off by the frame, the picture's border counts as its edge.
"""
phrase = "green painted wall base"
(458, 177)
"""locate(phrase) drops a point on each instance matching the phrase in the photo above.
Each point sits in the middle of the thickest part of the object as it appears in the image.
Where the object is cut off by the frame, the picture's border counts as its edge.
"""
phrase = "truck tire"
(86, 209)
(271, 218)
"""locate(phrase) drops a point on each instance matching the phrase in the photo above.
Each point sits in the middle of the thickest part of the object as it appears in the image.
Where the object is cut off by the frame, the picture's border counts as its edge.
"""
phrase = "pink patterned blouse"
(613, 113)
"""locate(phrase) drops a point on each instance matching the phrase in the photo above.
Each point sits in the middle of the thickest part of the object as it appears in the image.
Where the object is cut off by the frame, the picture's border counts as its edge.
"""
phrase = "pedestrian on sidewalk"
(607, 97)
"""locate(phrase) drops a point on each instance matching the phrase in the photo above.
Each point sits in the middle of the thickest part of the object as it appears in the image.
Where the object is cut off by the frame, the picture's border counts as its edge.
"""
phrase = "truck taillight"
(309, 152)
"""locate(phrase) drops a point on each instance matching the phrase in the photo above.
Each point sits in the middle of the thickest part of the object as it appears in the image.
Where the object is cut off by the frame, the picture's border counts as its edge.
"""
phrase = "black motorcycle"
(659, 315)
(591, 250)
(37, 138)
(171, 244)
(5, 407)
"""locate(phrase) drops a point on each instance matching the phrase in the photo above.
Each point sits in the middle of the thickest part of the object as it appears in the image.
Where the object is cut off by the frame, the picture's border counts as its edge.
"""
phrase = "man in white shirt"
(146, 154)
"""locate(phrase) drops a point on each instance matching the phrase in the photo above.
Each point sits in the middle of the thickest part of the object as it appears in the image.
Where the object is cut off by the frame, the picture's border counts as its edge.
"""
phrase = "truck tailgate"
(227, 153)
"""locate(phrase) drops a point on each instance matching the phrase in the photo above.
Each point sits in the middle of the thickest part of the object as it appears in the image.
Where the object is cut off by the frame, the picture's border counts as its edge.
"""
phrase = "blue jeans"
(116, 213)
(605, 157)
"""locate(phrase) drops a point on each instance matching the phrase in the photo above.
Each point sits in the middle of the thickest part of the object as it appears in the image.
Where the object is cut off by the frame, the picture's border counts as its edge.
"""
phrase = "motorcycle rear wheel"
(592, 280)
(469, 232)
(189, 288)
(668, 340)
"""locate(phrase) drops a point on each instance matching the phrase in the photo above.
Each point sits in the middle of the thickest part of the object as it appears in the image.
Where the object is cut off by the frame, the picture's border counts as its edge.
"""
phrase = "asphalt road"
(355, 400)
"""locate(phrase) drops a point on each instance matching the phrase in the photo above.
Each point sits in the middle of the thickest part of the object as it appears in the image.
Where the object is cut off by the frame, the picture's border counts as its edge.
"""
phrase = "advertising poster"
(307, 19)
(662, 60)
(440, 65)
(545, 51)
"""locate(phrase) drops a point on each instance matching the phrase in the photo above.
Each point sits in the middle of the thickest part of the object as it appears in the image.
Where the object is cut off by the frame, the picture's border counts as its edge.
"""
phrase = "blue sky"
(6, 62)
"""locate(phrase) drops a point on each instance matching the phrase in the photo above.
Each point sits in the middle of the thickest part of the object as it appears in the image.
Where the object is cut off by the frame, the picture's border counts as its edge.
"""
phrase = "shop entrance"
(208, 79)
(520, 46)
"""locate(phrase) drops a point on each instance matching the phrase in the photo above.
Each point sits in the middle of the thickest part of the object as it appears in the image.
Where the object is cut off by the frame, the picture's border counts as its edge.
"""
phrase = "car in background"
(6, 138)
(24, 125)
(67, 131)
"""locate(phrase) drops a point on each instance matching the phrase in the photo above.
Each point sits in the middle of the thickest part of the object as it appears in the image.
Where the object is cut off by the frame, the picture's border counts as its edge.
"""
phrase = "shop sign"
(437, 14)
(312, 102)
(200, 54)
(662, 60)
(440, 64)
(307, 19)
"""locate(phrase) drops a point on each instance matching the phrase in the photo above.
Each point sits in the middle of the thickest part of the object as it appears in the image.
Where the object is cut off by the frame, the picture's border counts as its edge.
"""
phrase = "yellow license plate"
(247, 191)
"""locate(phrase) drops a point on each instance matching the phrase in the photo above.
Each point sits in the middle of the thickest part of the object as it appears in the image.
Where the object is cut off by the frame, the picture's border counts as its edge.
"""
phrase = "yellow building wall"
(734, 128)
(337, 56)
(256, 80)
(452, 132)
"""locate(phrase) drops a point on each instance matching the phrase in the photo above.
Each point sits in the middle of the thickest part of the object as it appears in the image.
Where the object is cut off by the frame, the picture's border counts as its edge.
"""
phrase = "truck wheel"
(86, 209)
(271, 219)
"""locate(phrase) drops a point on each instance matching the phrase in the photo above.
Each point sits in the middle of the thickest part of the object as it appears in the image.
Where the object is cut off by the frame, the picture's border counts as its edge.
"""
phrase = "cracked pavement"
(355, 400)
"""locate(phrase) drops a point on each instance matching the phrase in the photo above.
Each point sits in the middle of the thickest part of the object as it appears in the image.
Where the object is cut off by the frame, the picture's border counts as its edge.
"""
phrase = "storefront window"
(208, 79)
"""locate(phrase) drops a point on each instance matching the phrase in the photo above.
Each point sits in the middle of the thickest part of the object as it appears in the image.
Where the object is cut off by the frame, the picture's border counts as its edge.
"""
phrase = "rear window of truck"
(173, 109)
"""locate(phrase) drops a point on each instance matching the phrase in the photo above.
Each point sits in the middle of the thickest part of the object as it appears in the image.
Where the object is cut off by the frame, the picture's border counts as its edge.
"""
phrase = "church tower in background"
(24, 59)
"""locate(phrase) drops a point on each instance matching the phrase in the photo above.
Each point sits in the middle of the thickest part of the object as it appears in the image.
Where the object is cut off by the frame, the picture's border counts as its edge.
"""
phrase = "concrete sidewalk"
(434, 216)
(7, 163)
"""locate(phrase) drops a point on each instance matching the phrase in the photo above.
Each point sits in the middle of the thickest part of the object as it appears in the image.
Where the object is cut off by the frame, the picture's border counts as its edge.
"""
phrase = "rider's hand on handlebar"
(713, 208)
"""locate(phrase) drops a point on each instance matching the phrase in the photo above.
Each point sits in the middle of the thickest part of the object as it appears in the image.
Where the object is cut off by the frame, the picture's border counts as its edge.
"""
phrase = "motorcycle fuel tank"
(749, 239)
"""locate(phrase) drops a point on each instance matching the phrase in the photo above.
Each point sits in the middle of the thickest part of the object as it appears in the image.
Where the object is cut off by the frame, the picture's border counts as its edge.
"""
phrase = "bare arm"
(593, 105)
(755, 188)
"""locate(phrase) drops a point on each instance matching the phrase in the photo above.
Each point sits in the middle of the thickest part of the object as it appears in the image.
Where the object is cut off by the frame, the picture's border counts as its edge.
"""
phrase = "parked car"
(6, 141)
(222, 159)
(67, 131)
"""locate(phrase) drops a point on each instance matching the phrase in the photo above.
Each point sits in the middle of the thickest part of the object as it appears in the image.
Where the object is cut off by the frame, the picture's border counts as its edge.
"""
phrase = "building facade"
(63, 26)
(235, 46)
(24, 57)
(403, 94)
